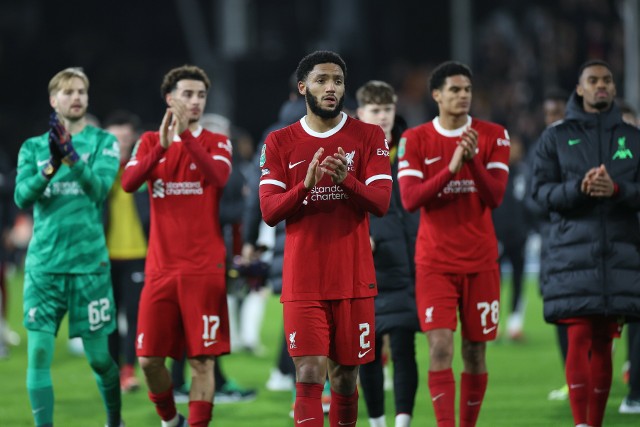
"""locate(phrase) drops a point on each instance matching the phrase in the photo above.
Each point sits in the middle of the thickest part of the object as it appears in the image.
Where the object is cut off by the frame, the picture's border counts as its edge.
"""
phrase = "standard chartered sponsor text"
(334, 192)
(460, 186)
(183, 188)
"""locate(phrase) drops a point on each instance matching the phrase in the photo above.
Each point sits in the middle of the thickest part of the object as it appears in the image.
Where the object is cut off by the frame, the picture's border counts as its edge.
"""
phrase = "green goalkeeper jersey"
(68, 233)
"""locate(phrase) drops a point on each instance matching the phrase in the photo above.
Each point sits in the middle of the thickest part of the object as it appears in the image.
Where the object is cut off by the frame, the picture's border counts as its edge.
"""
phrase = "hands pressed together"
(174, 122)
(335, 166)
(464, 152)
(61, 148)
(597, 183)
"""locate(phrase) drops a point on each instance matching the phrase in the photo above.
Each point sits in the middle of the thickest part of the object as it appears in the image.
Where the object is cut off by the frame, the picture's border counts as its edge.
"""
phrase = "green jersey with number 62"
(68, 235)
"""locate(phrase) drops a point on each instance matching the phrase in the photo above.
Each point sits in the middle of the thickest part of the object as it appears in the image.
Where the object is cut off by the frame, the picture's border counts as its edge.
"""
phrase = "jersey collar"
(450, 133)
(196, 133)
(326, 134)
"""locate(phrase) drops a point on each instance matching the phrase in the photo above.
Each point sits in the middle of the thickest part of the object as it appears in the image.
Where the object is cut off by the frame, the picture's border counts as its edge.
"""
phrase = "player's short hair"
(592, 63)
(556, 94)
(61, 78)
(376, 92)
(186, 72)
(319, 57)
(447, 69)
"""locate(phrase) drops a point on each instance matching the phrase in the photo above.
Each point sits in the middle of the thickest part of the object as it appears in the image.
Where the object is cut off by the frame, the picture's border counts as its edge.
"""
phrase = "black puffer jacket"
(394, 236)
(593, 264)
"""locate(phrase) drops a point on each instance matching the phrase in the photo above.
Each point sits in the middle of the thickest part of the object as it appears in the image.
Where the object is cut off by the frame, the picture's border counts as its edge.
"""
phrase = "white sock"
(403, 420)
(171, 423)
(582, 425)
(378, 422)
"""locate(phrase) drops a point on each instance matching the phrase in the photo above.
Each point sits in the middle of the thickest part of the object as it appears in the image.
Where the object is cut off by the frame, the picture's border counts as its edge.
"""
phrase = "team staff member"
(393, 241)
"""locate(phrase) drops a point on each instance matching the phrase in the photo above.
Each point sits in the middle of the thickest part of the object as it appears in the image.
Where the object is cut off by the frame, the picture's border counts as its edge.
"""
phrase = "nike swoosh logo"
(162, 160)
(574, 386)
(428, 161)
(35, 411)
(42, 162)
(436, 397)
(305, 420)
(340, 423)
(361, 355)
(209, 343)
(488, 330)
(95, 327)
(470, 403)
(574, 141)
(293, 165)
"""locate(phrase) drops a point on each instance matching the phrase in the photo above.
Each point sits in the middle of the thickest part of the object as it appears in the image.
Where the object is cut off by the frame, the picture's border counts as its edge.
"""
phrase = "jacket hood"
(575, 111)
(292, 111)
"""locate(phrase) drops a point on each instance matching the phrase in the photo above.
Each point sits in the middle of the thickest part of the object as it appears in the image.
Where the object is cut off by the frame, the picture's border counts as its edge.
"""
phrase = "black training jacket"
(593, 263)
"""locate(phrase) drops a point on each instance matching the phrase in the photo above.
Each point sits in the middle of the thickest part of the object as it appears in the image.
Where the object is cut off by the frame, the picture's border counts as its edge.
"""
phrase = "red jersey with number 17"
(327, 249)
(456, 233)
(185, 235)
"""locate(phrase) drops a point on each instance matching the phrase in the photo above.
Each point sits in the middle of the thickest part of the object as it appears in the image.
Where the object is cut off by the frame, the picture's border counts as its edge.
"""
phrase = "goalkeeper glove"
(50, 168)
(62, 140)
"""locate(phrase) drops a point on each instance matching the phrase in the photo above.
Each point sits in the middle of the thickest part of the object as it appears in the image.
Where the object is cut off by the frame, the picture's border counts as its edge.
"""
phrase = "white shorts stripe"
(410, 172)
(377, 177)
(274, 182)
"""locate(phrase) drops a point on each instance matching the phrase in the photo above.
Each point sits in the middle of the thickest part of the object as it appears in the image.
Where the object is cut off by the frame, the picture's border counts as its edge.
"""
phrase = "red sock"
(308, 406)
(577, 370)
(165, 405)
(344, 409)
(472, 388)
(200, 413)
(442, 387)
(601, 373)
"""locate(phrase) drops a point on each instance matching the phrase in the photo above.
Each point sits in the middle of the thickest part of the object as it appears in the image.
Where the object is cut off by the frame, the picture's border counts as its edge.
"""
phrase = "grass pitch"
(520, 377)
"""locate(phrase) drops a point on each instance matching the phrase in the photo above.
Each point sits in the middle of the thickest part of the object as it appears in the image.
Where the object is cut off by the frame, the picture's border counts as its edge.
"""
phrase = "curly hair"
(186, 72)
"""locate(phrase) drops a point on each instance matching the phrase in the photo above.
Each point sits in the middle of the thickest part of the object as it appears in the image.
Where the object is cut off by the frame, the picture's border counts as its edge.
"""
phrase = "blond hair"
(60, 79)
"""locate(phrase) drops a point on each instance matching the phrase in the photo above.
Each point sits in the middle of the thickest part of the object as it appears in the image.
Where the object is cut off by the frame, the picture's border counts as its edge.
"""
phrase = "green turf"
(520, 377)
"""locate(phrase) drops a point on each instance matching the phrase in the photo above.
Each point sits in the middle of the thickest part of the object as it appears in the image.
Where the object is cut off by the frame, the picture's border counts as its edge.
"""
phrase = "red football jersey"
(456, 231)
(185, 230)
(327, 250)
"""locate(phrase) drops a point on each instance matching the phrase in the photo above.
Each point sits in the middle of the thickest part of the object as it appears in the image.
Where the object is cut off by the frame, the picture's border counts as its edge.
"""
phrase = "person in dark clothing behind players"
(553, 108)
(587, 176)
(393, 241)
(512, 225)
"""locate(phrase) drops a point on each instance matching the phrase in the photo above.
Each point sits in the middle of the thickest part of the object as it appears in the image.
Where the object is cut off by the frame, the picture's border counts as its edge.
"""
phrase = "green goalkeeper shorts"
(87, 297)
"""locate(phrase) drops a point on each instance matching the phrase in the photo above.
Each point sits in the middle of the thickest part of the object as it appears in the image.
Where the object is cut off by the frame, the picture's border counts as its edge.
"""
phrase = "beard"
(601, 105)
(321, 112)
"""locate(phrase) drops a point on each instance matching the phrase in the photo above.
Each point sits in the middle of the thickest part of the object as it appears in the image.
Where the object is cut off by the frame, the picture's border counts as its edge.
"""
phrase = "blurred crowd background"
(518, 49)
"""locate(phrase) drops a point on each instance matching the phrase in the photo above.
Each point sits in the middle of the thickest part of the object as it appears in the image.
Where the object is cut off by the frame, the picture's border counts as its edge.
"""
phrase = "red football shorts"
(439, 297)
(183, 311)
(343, 330)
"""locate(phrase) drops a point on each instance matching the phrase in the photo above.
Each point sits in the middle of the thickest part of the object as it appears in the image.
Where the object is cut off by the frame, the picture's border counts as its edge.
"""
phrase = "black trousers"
(127, 277)
(405, 374)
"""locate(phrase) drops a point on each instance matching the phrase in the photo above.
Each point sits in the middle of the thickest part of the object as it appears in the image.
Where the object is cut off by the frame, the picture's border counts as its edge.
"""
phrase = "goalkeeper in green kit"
(65, 175)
